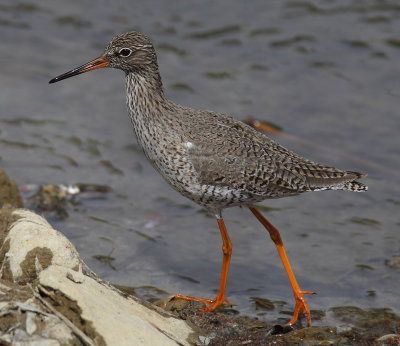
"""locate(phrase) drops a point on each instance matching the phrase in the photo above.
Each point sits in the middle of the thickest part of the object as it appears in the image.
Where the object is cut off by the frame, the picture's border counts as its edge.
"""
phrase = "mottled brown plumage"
(211, 158)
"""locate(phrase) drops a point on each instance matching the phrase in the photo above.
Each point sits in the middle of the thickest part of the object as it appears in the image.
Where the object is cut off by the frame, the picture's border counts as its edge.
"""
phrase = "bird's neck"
(146, 102)
(145, 95)
(148, 109)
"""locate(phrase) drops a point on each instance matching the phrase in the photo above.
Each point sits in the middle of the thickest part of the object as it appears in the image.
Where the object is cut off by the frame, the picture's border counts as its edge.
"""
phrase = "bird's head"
(131, 52)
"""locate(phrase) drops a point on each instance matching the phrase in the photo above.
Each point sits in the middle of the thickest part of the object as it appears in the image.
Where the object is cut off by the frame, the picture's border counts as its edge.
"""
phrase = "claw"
(211, 304)
(301, 305)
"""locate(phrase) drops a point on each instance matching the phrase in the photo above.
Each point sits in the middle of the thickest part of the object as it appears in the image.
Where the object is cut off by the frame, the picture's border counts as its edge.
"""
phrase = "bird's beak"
(100, 62)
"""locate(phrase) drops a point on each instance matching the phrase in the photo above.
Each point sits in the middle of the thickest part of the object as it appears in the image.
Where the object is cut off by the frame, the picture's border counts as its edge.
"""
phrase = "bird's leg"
(212, 304)
(301, 304)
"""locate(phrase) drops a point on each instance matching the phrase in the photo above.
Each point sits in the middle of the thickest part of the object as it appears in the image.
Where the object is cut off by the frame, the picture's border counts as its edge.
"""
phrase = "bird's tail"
(346, 181)
(354, 185)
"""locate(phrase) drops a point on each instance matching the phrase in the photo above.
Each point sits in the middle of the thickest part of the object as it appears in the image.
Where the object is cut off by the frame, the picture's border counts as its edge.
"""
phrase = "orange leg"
(212, 304)
(301, 304)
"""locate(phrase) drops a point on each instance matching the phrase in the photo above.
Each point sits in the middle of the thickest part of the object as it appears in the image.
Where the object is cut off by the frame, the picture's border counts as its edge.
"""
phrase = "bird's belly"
(181, 175)
(179, 172)
(220, 197)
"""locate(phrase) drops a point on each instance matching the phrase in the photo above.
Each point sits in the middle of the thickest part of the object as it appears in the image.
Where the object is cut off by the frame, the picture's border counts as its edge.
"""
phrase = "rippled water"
(325, 71)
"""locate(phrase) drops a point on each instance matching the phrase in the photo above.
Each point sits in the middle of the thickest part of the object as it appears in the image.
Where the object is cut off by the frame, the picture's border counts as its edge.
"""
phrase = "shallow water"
(325, 71)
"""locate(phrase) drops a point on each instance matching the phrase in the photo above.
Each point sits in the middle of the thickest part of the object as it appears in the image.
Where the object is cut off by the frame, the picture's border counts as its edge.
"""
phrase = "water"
(325, 71)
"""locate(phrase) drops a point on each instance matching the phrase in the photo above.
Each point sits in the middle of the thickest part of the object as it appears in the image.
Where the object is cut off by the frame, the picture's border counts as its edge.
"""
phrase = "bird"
(211, 158)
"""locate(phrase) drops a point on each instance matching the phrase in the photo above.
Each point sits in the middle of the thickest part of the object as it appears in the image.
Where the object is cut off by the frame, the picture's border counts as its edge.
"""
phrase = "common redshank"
(212, 159)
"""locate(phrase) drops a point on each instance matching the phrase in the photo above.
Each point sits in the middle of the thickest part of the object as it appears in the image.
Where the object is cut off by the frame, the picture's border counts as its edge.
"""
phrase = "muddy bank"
(9, 194)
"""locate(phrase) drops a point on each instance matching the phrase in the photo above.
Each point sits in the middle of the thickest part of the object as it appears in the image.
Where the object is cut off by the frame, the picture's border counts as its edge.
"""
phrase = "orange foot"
(301, 305)
(211, 304)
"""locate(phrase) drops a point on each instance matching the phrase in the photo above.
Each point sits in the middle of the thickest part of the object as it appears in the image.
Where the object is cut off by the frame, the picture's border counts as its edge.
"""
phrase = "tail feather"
(357, 174)
(355, 186)
(347, 182)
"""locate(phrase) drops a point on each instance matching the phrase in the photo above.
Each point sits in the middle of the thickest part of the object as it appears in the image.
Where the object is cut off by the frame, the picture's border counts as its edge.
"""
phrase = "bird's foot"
(211, 304)
(301, 305)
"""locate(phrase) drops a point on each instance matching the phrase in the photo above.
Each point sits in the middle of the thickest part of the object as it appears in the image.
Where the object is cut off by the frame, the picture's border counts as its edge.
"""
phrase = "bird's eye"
(125, 52)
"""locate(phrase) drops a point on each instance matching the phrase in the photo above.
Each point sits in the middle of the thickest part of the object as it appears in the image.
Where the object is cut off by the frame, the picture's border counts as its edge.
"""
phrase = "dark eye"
(125, 52)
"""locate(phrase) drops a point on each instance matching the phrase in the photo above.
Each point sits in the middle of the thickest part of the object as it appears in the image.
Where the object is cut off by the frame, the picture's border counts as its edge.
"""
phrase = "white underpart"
(339, 187)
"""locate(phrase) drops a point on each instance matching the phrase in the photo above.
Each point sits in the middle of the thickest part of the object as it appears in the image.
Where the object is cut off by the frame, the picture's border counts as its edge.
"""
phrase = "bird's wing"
(227, 152)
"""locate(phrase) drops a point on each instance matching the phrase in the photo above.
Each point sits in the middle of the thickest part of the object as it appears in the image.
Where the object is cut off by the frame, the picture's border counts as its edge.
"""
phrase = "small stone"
(344, 328)
(204, 340)
(390, 337)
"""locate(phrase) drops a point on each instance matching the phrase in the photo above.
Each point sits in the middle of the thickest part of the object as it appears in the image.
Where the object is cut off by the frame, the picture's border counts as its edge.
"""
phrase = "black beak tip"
(63, 76)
